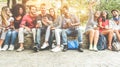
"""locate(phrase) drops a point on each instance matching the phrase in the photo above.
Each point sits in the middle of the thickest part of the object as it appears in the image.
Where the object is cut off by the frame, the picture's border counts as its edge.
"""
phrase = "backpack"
(73, 44)
(101, 45)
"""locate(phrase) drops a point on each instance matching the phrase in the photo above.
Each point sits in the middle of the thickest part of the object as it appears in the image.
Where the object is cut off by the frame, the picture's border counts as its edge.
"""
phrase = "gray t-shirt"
(91, 23)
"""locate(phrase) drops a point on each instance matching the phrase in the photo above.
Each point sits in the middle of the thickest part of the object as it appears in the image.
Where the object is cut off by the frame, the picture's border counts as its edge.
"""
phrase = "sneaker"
(5, 48)
(95, 49)
(91, 48)
(65, 48)
(35, 48)
(56, 49)
(20, 49)
(44, 45)
(80, 48)
(11, 48)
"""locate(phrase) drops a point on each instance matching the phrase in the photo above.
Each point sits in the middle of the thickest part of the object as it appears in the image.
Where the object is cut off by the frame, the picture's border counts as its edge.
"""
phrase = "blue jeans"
(39, 33)
(11, 37)
(38, 36)
(66, 32)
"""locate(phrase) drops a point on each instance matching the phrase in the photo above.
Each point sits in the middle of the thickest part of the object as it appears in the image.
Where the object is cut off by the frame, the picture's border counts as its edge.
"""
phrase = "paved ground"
(71, 58)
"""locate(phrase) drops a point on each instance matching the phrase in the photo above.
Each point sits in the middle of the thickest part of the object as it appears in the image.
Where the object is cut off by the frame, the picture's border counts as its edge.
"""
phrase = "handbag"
(73, 44)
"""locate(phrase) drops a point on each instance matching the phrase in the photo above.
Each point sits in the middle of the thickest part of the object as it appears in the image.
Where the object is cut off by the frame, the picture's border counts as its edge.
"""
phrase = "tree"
(108, 5)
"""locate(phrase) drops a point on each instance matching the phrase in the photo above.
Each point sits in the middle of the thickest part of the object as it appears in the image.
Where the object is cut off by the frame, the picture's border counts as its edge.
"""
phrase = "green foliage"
(108, 5)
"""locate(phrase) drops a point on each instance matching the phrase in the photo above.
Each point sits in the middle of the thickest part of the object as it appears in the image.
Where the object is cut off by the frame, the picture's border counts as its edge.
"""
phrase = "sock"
(90, 47)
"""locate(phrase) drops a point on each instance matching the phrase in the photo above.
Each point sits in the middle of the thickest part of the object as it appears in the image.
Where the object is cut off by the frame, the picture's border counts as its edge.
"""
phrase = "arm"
(100, 23)
(23, 22)
(76, 21)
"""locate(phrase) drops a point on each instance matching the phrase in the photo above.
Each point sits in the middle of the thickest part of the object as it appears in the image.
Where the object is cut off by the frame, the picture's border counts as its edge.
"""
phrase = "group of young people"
(98, 23)
(16, 22)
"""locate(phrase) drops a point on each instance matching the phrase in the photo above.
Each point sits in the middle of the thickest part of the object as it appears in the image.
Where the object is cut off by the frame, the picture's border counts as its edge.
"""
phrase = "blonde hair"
(4, 15)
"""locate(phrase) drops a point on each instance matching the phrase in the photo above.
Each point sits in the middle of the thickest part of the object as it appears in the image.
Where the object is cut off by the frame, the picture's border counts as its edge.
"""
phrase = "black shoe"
(36, 49)
(80, 49)
(65, 48)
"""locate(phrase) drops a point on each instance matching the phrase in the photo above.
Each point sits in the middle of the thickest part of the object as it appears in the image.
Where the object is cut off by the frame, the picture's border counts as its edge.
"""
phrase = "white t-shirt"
(113, 25)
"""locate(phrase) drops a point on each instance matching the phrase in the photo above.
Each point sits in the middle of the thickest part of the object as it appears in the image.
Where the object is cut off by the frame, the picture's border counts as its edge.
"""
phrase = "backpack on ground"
(101, 45)
(73, 44)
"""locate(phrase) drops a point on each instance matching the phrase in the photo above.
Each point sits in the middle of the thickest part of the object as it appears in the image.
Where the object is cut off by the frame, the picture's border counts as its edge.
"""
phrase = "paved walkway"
(71, 58)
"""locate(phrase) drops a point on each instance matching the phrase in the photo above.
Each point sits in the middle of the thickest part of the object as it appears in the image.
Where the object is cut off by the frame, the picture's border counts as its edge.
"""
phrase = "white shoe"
(5, 48)
(11, 48)
(90, 47)
(56, 49)
(95, 49)
(20, 49)
(44, 45)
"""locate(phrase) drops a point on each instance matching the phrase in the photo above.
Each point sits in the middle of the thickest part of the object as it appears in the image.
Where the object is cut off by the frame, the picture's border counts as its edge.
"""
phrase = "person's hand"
(52, 28)
(96, 28)
(107, 27)
(69, 24)
(37, 26)
(28, 29)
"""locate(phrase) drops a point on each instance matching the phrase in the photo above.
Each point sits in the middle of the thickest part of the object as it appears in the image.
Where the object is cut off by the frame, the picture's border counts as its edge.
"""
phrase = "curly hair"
(15, 10)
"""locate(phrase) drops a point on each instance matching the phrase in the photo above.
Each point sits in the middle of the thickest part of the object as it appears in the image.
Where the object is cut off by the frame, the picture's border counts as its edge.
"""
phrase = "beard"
(115, 16)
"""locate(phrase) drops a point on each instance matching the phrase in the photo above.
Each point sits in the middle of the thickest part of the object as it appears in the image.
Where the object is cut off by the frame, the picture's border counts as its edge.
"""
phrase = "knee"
(14, 32)
(92, 31)
(111, 32)
(9, 33)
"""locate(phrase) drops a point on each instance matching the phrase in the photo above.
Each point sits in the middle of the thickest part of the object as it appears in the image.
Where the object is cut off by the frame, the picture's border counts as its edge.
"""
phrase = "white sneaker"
(95, 49)
(56, 49)
(11, 48)
(5, 48)
(20, 49)
(44, 45)
(90, 47)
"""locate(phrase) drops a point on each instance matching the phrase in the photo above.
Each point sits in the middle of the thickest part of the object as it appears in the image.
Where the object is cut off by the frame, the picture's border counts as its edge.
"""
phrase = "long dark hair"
(15, 10)
(103, 18)
(54, 17)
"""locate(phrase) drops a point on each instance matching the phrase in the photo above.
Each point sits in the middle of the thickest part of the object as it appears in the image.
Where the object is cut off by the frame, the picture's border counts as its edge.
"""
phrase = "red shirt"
(28, 21)
(104, 23)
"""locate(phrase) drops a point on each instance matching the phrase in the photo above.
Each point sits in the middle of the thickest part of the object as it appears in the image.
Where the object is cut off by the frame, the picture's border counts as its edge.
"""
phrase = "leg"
(64, 38)
(38, 37)
(57, 36)
(21, 39)
(34, 34)
(51, 38)
(79, 36)
(109, 33)
(58, 40)
(13, 39)
(46, 30)
(47, 34)
(91, 35)
(96, 37)
(3, 35)
(80, 40)
(7, 40)
(118, 34)
(8, 36)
